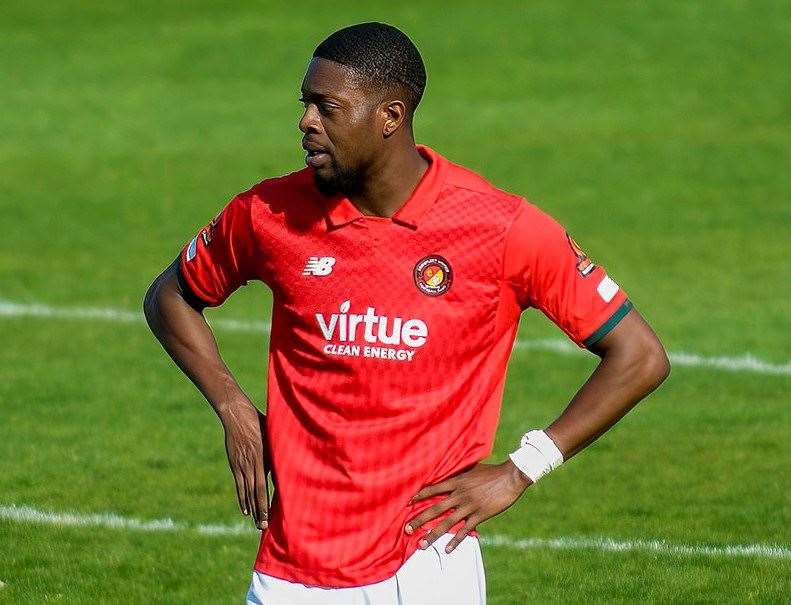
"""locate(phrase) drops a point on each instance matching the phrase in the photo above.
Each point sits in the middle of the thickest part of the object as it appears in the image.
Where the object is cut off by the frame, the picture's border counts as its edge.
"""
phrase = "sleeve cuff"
(193, 287)
(193, 300)
(609, 324)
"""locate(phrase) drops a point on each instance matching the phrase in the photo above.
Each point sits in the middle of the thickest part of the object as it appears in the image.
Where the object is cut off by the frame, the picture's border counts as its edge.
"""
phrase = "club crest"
(433, 275)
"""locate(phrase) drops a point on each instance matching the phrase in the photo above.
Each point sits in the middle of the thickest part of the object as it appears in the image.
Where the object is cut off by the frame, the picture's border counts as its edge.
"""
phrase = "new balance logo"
(319, 265)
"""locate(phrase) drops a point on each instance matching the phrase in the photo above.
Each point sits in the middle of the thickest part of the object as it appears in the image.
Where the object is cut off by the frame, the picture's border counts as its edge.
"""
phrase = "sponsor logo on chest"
(371, 335)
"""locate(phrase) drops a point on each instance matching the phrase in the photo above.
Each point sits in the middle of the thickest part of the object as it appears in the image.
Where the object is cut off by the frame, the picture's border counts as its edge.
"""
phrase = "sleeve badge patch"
(584, 264)
(607, 289)
(208, 231)
(192, 248)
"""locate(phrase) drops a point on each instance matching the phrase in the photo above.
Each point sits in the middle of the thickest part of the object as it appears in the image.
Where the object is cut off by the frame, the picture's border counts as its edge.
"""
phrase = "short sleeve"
(219, 259)
(550, 272)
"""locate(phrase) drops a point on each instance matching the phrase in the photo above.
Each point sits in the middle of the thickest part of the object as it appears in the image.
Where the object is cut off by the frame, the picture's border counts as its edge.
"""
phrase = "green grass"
(659, 133)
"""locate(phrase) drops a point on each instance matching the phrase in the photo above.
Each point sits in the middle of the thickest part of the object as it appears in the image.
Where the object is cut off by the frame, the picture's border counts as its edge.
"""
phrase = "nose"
(310, 121)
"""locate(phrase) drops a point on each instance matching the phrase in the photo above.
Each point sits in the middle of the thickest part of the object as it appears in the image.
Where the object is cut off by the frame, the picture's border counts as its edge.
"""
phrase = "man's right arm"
(174, 314)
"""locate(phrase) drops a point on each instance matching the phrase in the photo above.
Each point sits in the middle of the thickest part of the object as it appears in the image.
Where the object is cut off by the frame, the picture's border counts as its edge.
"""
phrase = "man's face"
(341, 126)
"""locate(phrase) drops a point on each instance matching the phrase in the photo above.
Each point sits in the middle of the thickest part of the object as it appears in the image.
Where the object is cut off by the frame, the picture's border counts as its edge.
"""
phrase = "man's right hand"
(244, 442)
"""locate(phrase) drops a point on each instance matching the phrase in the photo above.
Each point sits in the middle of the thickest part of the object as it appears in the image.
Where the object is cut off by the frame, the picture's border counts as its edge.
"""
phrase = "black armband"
(192, 299)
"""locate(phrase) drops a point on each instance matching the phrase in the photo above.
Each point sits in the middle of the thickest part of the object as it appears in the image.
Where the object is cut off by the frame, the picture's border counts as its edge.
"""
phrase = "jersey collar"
(341, 210)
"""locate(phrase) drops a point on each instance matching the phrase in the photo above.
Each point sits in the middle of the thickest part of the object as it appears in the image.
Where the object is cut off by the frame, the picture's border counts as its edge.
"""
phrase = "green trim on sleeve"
(609, 324)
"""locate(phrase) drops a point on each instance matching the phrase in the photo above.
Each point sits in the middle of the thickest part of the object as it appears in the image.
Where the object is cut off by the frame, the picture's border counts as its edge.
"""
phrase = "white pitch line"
(764, 551)
(11, 309)
(28, 514)
(742, 363)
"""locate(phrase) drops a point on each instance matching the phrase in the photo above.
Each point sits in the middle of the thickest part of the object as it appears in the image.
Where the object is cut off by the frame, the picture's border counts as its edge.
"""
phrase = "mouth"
(317, 159)
(316, 156)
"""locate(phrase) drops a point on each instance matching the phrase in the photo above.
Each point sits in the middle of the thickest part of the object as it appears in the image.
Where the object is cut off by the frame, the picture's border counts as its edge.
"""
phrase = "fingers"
(430, 513)
(456, 540)
(431, 490)
(252, 493)
(260, 497)
(249, 487)
(240, 492)
(248, 458)
(440, 529)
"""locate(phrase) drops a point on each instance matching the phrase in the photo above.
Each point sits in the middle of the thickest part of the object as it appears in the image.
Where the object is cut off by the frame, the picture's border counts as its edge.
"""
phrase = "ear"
(394, 115)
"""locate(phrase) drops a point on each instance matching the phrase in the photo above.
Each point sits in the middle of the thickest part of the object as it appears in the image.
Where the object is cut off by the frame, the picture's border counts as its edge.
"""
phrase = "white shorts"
(427, 577)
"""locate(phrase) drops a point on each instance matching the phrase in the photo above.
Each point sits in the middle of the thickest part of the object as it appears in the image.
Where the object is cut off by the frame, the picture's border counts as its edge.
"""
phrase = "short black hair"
(381, 53)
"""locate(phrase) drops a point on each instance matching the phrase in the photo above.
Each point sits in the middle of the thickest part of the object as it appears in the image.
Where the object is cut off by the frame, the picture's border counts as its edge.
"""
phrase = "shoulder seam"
(517, 214)
(491, 190)
(248, 198)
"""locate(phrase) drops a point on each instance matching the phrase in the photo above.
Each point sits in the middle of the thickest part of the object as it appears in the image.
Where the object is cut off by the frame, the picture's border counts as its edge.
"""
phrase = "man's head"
(360, 92)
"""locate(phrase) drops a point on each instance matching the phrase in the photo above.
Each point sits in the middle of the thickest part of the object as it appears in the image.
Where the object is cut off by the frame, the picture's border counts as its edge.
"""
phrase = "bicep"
(634, 338)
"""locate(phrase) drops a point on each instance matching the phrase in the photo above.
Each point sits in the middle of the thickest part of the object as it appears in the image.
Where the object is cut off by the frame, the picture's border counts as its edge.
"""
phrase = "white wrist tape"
(537, 456)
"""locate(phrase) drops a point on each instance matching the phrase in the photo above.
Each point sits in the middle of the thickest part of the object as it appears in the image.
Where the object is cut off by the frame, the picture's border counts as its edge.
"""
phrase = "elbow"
(664, 366)
(151, 302)
(656, 363)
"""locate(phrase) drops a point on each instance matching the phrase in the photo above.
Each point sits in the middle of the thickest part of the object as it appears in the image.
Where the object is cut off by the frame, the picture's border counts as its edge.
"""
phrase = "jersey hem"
(329, 578)
(608, 325)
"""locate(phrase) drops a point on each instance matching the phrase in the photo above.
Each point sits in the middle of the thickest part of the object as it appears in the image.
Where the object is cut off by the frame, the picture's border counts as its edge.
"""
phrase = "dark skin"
(366, 136)
(177, 321)
(365, 132)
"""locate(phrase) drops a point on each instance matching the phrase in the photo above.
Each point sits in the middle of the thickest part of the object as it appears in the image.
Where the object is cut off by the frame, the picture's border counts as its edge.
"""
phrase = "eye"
(326, 108)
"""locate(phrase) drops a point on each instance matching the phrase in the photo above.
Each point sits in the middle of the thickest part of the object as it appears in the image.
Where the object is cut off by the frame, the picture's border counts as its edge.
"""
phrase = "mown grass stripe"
(28, 514)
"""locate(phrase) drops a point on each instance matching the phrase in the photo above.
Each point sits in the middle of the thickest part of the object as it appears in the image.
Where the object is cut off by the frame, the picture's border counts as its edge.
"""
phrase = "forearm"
(626, 374)
(187, 338)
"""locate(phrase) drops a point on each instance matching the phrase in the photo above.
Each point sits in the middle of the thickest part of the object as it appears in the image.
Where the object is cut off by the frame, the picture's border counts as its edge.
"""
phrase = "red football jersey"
(388, 350)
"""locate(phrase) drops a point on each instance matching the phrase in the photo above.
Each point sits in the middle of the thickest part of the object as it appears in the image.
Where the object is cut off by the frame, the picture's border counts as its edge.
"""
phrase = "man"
(398, 279)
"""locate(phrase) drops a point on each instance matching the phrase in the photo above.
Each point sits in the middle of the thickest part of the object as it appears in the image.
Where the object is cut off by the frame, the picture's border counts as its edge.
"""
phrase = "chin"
(327, 184)
(330, 181)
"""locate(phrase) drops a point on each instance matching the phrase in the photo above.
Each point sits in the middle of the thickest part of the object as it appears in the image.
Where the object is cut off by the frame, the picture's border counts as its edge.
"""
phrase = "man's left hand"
(482, 492)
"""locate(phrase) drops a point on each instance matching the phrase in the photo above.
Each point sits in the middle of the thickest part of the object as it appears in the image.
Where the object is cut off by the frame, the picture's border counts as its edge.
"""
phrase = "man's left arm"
(633, 363)
(551, 273)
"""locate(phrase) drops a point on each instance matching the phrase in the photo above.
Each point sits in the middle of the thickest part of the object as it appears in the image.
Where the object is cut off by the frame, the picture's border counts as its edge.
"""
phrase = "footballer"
(398, 279)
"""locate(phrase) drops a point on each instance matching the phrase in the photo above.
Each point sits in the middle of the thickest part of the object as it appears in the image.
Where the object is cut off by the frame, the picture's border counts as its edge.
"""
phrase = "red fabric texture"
(361, 417)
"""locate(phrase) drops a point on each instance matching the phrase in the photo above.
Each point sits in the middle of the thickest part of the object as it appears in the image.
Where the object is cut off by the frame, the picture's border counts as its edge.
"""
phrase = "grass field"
(659, 133)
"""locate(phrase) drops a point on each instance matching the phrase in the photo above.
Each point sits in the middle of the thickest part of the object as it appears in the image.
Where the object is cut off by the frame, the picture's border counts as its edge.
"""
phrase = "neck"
(392, 180)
